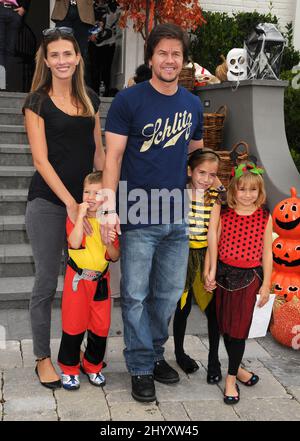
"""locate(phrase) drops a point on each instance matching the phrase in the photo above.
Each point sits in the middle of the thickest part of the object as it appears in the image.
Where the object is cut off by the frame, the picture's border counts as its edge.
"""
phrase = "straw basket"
(187, 77)
(238, 153)
(213, 128)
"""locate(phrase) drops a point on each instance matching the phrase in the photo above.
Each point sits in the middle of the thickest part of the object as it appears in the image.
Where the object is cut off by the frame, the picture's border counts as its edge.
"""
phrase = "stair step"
(13, 134)
(15, 154)
(13, 201)
(12, 230)
(12, 100)
(11, 116)
(15, 292)
(17, 260)
(15, 177)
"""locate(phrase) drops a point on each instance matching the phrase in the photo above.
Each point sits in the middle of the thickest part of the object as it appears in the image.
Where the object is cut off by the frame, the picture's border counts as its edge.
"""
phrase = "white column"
(134, 52)
(297, 26)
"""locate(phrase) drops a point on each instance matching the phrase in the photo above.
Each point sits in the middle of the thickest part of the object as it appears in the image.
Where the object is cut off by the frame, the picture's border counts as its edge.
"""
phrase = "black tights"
(235, 349)
(179, 327)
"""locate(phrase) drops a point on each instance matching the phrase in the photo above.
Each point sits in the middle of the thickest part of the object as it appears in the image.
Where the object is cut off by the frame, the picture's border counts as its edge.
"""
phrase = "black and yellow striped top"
(199, 216)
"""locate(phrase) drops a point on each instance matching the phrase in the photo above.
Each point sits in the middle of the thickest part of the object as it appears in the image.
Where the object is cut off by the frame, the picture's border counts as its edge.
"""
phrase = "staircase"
(16, 169)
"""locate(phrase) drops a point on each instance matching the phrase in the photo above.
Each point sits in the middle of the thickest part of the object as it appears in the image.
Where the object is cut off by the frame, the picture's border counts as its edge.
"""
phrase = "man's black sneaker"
(143, 388)
(164, 373)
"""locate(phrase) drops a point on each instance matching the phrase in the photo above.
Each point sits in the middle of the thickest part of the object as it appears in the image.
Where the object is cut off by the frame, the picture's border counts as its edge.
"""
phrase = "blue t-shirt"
(159, 128)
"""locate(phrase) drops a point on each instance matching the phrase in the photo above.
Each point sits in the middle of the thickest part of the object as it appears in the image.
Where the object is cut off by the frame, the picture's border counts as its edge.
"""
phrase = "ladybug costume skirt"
(236, 293)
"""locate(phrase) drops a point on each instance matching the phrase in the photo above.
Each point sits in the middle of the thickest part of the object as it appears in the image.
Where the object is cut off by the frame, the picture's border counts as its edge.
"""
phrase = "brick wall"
(283, 9)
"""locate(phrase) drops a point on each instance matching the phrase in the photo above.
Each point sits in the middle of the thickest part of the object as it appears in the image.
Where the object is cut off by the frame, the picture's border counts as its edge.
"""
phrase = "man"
(76, 14)
(11, 14)
(149, 129)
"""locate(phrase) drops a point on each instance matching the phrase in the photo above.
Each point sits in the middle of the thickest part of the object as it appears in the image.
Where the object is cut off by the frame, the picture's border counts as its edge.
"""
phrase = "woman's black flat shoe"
(252, 381)
(232, 400)
(50, 385)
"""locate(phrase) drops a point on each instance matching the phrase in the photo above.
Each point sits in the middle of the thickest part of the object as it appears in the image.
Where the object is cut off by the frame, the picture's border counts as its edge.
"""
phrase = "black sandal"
(51, 384)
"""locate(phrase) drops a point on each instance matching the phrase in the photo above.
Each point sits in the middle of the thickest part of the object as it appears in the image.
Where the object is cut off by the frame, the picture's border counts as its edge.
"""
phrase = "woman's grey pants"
(45, 225)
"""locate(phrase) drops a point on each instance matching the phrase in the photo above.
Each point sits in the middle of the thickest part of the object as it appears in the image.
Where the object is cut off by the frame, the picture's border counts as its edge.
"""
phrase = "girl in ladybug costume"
(243, 269)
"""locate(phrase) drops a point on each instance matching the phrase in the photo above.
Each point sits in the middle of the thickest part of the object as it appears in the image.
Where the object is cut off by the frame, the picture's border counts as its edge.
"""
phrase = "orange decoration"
(285, 326)
(286, 255)
(286, 217)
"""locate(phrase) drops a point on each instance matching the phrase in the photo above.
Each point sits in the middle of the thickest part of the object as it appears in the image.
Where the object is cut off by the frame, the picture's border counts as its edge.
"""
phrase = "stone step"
(16, 260)
(15, 154)
(12, 100)
(13, 134)
(12, 230)
(11, 116)
(13, 201)
(15, 177)
(15, 292)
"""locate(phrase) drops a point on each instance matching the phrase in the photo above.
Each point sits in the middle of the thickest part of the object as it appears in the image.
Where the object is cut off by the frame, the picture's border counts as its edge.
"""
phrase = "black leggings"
(235, 349)
(179, 327)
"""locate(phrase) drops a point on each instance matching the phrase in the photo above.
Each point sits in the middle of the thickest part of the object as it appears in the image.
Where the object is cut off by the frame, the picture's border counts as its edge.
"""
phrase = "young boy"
(86, 297)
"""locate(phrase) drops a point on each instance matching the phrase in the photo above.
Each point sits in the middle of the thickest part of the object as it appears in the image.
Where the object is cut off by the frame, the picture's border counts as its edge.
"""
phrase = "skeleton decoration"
(237, 65)
(264, 51)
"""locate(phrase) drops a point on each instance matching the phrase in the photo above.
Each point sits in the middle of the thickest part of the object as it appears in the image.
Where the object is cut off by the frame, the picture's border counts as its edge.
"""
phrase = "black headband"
(202, 152)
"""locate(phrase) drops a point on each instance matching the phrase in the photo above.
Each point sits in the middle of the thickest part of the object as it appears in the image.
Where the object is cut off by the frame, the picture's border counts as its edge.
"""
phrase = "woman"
(64, 133)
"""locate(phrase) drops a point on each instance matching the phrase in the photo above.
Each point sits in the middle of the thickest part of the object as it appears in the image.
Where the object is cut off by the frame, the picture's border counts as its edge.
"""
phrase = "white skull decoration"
(237, 65)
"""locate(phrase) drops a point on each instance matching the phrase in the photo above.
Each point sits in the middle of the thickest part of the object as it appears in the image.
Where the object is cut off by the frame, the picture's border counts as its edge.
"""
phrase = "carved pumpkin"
(286, 285)
(285, 325)
(286, 217)
(286, 255)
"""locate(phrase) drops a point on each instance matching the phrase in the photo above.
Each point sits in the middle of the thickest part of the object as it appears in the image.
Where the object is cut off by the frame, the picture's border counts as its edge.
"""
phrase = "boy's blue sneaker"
(70, 382)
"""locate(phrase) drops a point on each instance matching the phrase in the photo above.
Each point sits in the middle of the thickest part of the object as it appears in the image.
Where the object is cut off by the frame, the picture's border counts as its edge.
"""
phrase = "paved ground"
(276, 396)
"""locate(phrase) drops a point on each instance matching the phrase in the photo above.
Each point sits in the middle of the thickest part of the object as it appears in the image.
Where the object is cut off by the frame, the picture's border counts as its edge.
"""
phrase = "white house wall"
(283, 9)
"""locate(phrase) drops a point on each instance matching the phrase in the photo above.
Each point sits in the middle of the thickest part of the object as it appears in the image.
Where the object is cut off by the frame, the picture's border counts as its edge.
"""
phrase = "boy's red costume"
(86, 303)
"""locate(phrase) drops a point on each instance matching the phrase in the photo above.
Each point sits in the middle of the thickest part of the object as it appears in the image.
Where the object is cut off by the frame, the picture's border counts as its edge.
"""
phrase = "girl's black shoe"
(232, 400)
(187, 364)
(214, 379)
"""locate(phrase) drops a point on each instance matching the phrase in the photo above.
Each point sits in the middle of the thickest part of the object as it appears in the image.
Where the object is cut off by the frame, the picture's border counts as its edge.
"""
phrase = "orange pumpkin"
(285, 325)
(286, 285)
(286, 255)
(286, 217)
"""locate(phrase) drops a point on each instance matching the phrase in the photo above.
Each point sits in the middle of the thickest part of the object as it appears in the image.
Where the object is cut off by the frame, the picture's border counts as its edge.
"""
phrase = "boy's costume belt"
(84, 273)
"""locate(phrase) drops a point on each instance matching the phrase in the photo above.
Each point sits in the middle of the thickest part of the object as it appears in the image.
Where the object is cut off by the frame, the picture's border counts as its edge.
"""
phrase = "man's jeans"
(153, 272)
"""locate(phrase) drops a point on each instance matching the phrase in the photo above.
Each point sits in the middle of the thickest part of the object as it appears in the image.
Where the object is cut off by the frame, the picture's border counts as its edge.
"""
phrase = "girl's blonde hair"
(42, 78)
(249, 179)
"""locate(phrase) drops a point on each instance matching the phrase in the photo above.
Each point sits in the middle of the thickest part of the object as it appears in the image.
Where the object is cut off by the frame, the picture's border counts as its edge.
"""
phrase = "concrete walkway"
(275, 397)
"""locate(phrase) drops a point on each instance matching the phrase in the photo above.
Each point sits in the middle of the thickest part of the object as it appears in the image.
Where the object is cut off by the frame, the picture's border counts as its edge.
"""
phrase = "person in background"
(142, 73)
(102, 44)
(78, 15)
(11, 16)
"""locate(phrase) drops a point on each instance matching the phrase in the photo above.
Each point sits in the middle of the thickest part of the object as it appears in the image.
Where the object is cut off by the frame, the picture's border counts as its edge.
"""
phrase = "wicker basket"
(187, 77)
(238, 153)
(213, 128)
